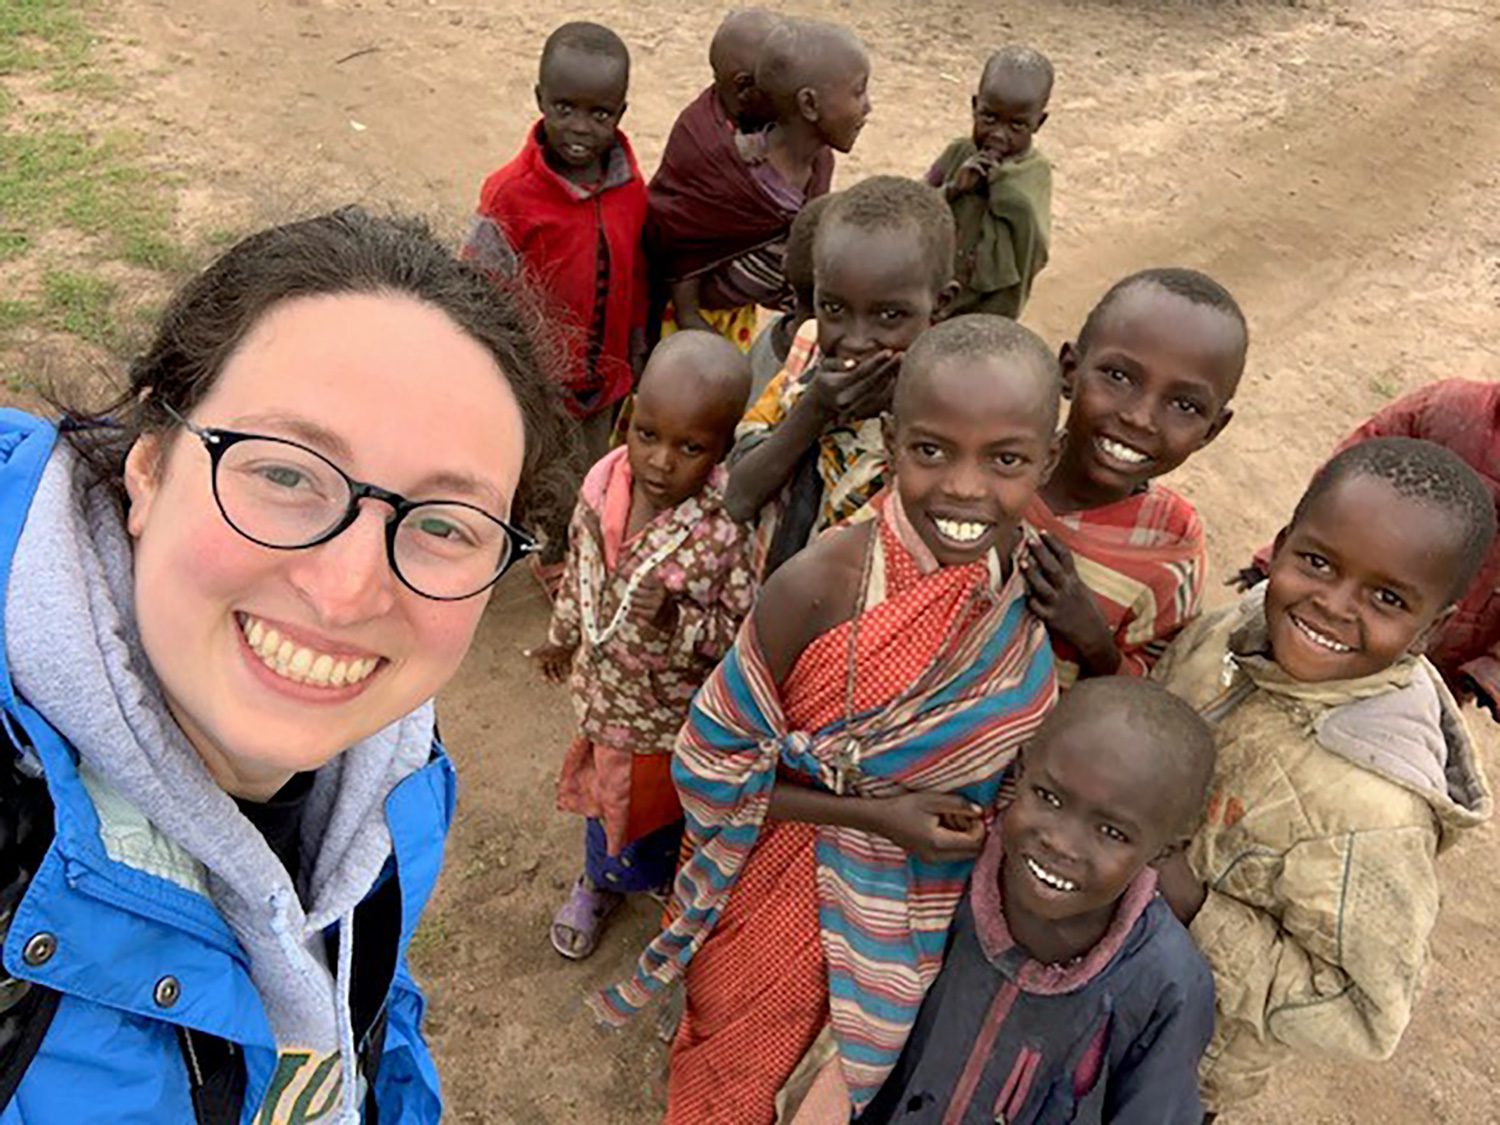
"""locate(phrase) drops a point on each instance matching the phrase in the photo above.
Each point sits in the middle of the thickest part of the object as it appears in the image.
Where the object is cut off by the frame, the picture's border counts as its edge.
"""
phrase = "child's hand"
(553, 661)
(1184, 891)
(851, 390)
(652, 605)
(932, 826)
(1059, 597)
(971, 175)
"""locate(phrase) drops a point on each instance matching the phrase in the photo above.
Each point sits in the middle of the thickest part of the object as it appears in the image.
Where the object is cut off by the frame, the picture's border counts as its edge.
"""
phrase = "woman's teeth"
(1317, 638)
(1121, 452)
(1056, 882)
(303, 665)
(960, 531)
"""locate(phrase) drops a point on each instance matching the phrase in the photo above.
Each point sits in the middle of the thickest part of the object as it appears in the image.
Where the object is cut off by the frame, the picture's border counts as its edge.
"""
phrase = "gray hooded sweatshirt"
(76, 656)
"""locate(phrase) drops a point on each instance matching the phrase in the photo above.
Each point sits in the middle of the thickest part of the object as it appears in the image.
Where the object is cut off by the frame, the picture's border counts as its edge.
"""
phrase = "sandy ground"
(1335, 164)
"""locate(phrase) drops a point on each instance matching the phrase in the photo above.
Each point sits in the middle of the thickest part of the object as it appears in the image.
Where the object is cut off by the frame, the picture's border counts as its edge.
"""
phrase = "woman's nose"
(349, 579)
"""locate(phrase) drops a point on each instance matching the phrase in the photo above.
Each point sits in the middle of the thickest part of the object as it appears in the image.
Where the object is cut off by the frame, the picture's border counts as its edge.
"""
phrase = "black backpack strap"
(26, 831)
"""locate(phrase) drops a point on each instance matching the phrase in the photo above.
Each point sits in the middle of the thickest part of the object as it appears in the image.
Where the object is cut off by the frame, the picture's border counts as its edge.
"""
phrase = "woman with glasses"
(230, 601)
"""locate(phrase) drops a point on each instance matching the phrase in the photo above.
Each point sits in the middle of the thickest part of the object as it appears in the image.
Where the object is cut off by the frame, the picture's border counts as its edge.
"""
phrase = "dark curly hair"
(883, 203)
(1194, 287)
(1427, 473)
(345, 251)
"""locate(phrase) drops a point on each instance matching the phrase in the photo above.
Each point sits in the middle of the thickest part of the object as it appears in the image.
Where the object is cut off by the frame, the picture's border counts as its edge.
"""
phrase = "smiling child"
(1121, 561)
(1069, 991)
(657, 581)
(837, 768)
(1344, 766)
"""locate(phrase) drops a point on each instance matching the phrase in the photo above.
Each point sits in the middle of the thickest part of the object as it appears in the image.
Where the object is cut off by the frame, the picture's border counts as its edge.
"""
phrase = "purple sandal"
(582, 914)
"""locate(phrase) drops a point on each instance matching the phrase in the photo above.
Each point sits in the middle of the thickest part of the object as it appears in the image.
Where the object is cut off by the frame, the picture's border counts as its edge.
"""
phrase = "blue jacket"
(113, 934)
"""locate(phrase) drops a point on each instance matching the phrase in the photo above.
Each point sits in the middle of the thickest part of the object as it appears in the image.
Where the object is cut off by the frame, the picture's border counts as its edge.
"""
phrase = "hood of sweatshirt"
(75, 655)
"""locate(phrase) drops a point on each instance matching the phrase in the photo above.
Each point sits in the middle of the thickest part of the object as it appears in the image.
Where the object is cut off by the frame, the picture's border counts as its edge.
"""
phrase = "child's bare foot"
(575, 926)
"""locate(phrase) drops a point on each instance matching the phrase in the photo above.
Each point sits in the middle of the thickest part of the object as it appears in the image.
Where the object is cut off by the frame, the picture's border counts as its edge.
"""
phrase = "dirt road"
(1337, 165)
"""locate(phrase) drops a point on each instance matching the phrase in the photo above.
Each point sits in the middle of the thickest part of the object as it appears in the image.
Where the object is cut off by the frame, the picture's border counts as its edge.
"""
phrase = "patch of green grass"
(52, 176)
(81, 305)
(431, 937)
(1386, 385)
(13, 314)
(37, 34)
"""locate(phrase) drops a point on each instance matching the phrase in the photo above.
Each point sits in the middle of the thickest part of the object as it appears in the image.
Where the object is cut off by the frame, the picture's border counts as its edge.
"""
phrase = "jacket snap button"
(167, 992)
(39, 949)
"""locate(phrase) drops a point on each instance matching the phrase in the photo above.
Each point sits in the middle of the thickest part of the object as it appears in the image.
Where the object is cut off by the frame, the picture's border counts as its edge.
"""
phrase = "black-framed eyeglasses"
(283, 495)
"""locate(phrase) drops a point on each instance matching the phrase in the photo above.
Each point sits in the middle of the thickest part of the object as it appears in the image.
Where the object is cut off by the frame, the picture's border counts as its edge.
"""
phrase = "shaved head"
(737, 43)
(974, 337)
(703, 366)
(1174, 749)
(734, 55)
(805, 54)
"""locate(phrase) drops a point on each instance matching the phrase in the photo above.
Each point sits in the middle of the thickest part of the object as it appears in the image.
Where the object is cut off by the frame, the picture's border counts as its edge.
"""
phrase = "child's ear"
(807, 104)
(1067, 359)
(1280, 540)
(888, 434)
(1423, 639)
(1040, 121)
(944, 299)
(973, 103)
(621, 115)
(1225, 417)
(1054, 454)
(540, 106)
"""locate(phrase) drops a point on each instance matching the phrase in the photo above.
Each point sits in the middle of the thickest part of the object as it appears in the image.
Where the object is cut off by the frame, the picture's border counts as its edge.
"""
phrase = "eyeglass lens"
(282, 495)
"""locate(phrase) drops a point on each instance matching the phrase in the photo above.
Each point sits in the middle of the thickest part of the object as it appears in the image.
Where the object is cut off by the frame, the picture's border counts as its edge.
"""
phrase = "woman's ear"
(142, 480)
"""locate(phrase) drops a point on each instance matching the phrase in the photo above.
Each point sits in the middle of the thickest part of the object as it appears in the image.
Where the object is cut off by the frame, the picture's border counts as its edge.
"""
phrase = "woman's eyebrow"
(320, 437)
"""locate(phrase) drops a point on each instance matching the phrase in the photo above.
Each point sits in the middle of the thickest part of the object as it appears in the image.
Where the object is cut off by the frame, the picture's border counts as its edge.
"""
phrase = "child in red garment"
(1120, 563)
(1464, 416)
(567, 214)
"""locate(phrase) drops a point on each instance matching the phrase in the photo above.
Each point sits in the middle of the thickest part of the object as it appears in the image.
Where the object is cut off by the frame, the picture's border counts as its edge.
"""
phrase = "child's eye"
(892, 316)
(988, 118)
(1187, 406)
(1009, 460)
(645, 435)
(1314, 561)
(926, 450)
(1114, 833)
(1114, 375)
(601, 115)
(692, 448)
(830, 308)
(1047, 796)
(1390, 599)
(563, 107)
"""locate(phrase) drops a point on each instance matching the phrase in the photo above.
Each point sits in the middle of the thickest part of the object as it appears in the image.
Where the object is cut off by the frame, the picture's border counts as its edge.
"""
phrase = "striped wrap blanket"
(883, 913)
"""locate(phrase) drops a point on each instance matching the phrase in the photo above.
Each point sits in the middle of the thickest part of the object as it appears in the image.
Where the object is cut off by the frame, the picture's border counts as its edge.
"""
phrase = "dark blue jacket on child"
(1115, 1036)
